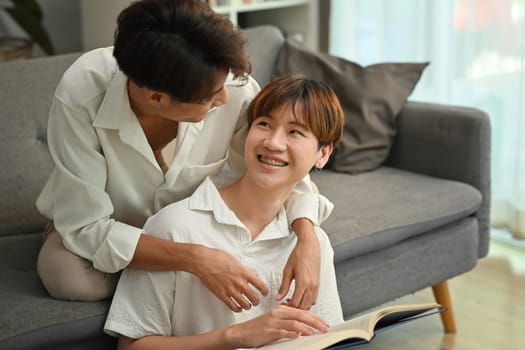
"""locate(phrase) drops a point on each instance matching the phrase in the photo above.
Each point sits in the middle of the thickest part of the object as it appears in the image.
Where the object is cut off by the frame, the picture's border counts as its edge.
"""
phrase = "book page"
(358, 328)
(318, 341)
(354, 328)
(362, 322)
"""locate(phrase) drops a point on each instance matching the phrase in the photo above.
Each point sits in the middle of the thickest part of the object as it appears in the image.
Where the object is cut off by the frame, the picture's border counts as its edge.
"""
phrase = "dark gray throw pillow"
(371, 98)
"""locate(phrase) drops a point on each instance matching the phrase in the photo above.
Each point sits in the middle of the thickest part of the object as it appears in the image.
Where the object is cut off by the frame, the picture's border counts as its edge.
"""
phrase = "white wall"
(62, 19)
(99, 21)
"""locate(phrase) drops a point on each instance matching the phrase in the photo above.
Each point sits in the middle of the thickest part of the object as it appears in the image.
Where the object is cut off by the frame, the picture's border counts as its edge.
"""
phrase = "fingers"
(247, 296)
(242, 295)
(285, 285)
(305, 292)
(241, 300)
(297, 320)
(280, 322)
(231, 281)
(231, 304)
(258, 284)
(304, 297)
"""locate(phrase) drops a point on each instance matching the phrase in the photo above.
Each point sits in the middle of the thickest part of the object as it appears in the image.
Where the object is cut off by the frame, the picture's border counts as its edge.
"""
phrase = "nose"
(275, 140)
(221, 98)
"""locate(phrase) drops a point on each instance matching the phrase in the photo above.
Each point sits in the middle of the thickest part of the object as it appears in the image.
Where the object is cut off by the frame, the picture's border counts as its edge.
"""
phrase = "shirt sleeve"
(303, 202)
(328, 305)
(74, 197)
(142, 304)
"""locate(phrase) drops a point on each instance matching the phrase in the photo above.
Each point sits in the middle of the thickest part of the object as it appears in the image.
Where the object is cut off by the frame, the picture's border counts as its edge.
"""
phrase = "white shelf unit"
(294, 17)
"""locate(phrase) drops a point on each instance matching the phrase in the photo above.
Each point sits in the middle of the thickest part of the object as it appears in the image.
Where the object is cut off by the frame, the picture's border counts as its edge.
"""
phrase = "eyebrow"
(211, 96)
(218, 90)
(295, 122)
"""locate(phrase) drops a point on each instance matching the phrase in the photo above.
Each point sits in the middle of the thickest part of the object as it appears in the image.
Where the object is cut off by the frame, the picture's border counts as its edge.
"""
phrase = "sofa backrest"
(26, 90)
(27, 87)
(264, 43)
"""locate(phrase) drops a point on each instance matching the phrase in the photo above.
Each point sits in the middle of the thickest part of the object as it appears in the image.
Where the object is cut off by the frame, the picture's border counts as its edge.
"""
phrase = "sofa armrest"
(448, 142)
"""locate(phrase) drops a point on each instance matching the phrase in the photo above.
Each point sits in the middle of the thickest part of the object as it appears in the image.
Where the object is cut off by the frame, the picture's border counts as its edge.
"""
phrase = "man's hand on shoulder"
(303, 266)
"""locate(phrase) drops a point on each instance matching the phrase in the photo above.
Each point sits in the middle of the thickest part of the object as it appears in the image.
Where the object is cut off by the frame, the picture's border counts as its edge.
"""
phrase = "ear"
(155, 98)
(325, 151)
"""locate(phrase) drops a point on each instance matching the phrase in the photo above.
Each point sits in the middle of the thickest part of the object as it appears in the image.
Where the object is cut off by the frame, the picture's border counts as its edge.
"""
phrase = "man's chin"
(195, 119)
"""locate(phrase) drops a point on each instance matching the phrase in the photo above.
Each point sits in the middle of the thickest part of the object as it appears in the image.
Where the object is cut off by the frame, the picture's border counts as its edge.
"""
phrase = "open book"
(358, 330)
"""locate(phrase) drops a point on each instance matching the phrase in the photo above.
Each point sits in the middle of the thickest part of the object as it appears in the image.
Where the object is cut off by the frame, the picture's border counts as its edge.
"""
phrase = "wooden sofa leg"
(442, 296)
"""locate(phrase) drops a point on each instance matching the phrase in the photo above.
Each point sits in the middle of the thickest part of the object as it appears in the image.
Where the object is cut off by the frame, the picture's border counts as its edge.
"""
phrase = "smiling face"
(280, 149)
(294, 123)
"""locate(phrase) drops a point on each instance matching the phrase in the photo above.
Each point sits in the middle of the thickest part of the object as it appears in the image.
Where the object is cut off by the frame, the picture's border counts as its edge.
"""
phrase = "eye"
(264, 124)
(296, 132)
(204, 102)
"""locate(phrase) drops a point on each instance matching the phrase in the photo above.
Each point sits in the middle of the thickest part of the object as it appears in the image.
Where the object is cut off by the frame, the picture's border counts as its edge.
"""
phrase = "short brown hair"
(321, 108)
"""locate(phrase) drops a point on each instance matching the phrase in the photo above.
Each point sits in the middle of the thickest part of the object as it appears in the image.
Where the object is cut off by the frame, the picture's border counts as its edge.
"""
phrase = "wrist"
(303, 228)
(230, 337)
(196, 255)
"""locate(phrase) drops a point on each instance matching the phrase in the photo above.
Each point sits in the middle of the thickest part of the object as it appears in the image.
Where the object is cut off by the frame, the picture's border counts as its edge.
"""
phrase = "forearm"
(154, 253)
(215, 340)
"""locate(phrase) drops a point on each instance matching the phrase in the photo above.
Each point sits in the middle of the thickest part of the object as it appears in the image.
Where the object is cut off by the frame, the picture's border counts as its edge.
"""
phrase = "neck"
(256, 207)
(137, 101)
(158, 130)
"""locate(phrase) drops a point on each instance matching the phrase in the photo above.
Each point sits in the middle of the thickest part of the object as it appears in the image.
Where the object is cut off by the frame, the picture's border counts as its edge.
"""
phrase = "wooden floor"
(489, 304)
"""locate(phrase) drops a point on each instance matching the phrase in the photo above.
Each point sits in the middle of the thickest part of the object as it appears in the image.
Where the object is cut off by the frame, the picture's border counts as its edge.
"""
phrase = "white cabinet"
(294, 17)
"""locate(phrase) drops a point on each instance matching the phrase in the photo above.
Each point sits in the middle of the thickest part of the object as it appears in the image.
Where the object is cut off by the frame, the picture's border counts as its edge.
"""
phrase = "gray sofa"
(415, 222)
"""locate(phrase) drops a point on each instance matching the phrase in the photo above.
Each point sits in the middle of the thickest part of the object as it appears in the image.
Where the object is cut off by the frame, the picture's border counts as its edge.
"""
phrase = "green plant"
(28, 15)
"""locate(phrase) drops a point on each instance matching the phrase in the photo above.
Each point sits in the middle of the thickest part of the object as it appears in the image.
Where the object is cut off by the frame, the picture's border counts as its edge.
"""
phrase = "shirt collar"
(207, 197)
(115, 106)
(115, 113)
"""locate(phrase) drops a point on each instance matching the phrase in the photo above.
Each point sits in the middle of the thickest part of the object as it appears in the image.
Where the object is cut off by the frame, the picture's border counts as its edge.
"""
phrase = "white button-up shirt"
(107, 182)
(177, 303)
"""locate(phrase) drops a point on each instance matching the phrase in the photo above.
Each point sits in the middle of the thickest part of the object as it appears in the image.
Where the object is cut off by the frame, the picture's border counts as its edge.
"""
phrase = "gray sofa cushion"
(26, 307)
(371, 98)
(377, 209)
